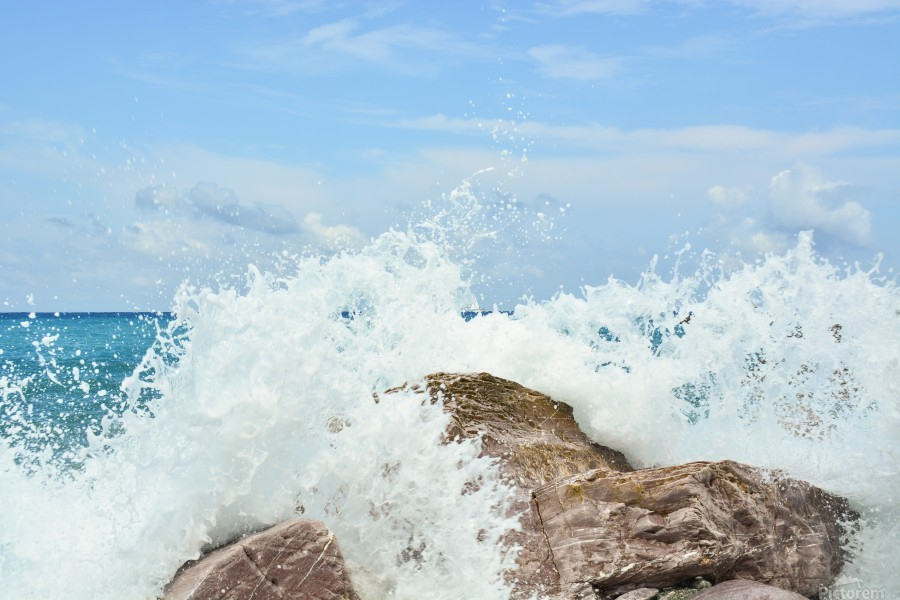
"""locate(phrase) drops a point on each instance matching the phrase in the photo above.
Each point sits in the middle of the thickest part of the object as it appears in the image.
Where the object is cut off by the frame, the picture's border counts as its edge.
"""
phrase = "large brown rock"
(536, 440)
(720, 520)
(591, 525)
(295, 560)
(536, 437)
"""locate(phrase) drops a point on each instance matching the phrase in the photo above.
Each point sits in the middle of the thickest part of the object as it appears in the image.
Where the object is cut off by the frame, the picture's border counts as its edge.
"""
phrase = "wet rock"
(719, 521)
(701, 584)
(537, 437)
(537, 440)
(592, 527)
(739, 589)
(295, 560)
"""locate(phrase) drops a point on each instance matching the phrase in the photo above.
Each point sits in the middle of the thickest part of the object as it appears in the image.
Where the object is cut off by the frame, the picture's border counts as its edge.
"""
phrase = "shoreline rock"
(295, 560)
(592, 522)
(592, 527)
(536, 440)
(719, 521)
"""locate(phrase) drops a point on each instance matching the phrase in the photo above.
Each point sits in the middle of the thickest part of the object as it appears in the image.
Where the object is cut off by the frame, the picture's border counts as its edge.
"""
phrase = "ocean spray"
(261, 407)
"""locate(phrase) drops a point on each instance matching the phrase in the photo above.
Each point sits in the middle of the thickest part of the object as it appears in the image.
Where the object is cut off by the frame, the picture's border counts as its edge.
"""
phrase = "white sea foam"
(263, 407)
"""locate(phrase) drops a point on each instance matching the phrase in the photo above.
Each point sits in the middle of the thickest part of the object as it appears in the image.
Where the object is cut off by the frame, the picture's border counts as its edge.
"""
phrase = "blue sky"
(145, 143)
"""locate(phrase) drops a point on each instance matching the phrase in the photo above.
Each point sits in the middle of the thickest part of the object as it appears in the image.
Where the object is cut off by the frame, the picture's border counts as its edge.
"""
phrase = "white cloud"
(820, 9)
(331, 33)
(778, 145)
(281, 8)
(563, 62)
(726, 197)
(331, 236)
(765, 242)
(222, 204)
(157, 198)
(800, 198)
(402, 48)
(164, 239)
(604, 7)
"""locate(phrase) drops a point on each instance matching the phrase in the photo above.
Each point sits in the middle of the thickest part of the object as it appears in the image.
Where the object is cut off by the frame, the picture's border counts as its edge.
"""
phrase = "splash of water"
(786, 364)
(262, 408)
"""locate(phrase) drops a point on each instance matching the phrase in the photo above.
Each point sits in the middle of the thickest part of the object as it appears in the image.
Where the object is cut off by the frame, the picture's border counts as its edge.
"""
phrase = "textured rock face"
(537, 441)
(592, 525)
(295, 560)
(536, 437)
(746, 590)
(719, 520)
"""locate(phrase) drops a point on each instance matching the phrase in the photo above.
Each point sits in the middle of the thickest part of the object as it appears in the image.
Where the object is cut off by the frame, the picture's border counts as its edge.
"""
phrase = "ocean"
(133, 441)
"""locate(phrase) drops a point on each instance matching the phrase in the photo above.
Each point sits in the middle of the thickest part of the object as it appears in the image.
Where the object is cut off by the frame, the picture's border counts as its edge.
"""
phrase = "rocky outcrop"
(536, 441)
(296, 560)
(742, 589)
(592, 526)
(536, 437)
(718, 520)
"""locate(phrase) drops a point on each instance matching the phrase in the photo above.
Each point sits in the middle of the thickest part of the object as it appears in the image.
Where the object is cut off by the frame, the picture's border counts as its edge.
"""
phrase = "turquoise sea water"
(62, 375)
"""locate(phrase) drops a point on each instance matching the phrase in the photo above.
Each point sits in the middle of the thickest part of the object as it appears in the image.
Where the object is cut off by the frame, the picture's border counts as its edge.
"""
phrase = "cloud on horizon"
(222, 204)
(801, 198)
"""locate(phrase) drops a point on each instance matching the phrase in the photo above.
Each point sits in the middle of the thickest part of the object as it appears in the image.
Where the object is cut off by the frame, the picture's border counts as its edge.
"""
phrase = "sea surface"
(133, 441)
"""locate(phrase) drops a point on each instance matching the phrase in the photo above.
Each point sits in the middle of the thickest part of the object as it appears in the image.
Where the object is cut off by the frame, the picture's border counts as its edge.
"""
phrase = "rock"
(593, 527)
(639, 594)
(741, 589)
(295, 560)
(678, 594)
(663, 526)
(701, 584)
(537, 440)
(536, 437)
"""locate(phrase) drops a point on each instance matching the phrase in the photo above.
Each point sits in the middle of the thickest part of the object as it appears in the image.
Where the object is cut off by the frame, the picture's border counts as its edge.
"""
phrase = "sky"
(143, 144)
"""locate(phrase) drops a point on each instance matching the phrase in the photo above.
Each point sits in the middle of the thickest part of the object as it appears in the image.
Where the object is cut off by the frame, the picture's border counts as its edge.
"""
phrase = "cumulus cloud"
(563, 62)
(728, 197)
(157, 197)
(800, 198)
(333, 236)
(161, 238)
(222, 204)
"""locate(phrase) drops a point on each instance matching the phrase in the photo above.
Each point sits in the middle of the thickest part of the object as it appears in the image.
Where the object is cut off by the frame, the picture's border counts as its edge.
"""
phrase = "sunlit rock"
(537, 440)
(663, 526)
(591, 525)
(295, 560)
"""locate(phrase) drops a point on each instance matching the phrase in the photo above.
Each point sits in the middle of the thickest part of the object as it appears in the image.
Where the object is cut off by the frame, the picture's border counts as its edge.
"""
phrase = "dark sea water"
(132, 441)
